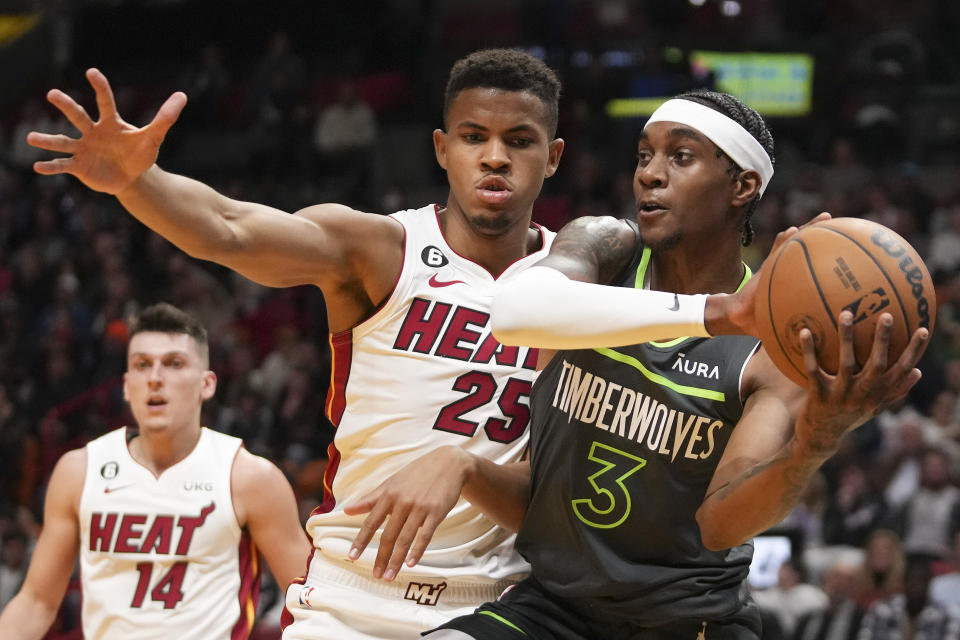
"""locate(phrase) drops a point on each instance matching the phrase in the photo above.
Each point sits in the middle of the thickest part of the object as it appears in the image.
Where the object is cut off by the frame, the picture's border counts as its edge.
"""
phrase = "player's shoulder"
(219, 439)
(256, 484)
(344, 220)
(599, 225)
(601, 246)
(602, 235)
(67, 479)
(253, 471)
(113, 438)
(72, 463)
(332, 212)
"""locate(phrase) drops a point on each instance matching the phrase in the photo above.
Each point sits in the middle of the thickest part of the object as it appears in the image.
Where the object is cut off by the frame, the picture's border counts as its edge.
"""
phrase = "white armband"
(541, 307)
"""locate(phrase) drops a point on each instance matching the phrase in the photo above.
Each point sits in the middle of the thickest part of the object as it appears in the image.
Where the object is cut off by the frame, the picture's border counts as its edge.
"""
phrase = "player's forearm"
(758, 498)
(26, 618)
(541, 307)
(188, 213)
(500, 491)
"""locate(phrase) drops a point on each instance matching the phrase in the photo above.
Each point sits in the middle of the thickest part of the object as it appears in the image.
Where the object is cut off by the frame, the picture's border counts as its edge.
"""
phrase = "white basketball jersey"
(164, 555)
(423, 372)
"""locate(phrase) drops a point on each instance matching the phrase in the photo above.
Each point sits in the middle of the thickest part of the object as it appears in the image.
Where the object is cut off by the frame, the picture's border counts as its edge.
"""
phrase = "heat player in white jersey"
(407, 298)
(169, 519)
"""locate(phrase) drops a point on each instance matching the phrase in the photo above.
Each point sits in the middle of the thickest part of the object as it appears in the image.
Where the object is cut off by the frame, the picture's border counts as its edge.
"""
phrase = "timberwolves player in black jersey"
(657, 451)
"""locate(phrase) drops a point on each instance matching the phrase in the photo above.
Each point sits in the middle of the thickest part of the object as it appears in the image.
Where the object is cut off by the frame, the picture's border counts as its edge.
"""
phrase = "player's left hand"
(413, 502)
(836, 404)
(110, 153)
(734, 314)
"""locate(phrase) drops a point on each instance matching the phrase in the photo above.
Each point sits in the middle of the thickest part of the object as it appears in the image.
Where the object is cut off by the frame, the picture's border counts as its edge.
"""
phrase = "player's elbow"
(715, 532)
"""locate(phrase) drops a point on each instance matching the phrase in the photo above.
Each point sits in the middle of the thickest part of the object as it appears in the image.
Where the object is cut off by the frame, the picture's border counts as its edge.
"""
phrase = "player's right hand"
(409, 505)
(110, 154)
(836, 404)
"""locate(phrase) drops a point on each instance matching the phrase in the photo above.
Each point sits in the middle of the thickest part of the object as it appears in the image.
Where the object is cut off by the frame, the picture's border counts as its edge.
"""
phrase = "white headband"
(727, 134)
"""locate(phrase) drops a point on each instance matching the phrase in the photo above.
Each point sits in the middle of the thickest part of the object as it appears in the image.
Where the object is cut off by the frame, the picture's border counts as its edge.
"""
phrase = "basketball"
(830, 266)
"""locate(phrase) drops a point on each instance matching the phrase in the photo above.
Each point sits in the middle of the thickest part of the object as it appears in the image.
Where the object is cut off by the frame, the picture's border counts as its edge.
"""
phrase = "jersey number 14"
(168, 589)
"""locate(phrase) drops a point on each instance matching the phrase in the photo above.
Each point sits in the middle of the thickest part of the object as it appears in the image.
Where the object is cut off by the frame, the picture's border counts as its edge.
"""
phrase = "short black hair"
(750, 120)
(508, 70)
(163, 317)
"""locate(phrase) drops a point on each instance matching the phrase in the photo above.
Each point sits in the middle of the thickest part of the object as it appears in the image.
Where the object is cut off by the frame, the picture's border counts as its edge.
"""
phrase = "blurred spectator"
(274, 371)
(854, 509)
(807, 515)
(206, 83)
(904, 444)
(944, 251)
(931, 517)
(278, 90)
(881, 574)
(195, 290)
(13, 432)
(880, 208)
(300, 416)
(841, 618)
(804, 198)
(942, 420)
(844, 172)
(14, 560)
(792, 597)
(279, 82)
(945, 587)
(34, 116)
(343, 139)
(248, 417)
(910, 614)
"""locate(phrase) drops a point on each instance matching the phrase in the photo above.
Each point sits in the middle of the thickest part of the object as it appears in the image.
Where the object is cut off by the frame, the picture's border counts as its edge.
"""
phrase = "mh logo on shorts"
(424, 593)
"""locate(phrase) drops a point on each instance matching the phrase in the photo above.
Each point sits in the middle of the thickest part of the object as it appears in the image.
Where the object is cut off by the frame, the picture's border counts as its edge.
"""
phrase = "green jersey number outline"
(585, 508)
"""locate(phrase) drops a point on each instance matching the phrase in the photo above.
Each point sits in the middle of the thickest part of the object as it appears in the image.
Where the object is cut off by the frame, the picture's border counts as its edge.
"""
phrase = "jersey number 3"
(481, 388)
(611, 506)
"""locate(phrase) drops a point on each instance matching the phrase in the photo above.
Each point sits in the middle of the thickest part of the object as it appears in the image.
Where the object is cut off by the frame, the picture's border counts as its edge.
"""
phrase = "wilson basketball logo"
(912, 272)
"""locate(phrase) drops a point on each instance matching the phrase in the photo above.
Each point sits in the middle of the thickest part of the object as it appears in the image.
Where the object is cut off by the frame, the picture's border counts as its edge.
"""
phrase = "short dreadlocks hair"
(750, 120)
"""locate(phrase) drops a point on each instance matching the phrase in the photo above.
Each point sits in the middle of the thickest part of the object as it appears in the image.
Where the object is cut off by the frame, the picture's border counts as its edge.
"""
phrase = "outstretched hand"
(413, 502)
(837, 404)
(110, 154)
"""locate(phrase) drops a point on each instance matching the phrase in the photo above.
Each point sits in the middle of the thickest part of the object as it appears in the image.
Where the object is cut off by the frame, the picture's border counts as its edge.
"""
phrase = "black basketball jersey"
(624, 443)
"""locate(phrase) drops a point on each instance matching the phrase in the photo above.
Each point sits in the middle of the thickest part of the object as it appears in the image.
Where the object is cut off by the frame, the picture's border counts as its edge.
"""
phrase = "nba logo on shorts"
(305, 594)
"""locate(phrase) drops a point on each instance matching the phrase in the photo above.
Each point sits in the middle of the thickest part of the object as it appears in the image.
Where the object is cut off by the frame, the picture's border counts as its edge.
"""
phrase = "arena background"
(863, 97)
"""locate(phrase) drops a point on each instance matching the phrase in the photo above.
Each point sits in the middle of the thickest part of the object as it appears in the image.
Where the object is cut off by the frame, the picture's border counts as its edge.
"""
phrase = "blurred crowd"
(291, 124)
